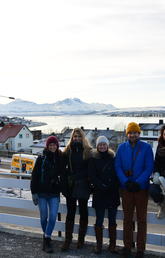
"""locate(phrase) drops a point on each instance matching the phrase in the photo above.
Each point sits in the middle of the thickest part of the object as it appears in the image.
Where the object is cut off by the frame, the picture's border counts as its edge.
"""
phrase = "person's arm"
(118, 167)
(35, 176)
(157, 162)
(148, 167)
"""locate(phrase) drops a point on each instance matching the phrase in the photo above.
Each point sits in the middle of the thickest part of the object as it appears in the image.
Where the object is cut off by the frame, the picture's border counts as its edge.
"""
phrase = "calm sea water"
(57, 123)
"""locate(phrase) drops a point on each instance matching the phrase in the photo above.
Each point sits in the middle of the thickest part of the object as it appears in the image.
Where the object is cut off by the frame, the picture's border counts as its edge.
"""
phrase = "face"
(164, 135)
(102, 147)
(77, 137)
(133, 137)
(52, 147)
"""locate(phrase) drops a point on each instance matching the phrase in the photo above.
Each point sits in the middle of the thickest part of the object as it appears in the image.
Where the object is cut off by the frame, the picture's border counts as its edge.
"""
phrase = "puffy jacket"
(138, 160)
(103, 177)
(46, 172)
(159, 165)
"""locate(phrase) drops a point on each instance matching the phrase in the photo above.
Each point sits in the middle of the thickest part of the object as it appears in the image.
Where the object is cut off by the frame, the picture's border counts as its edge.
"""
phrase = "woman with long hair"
(75, 185)
(45, 188)
(157, 189)
(106, 191)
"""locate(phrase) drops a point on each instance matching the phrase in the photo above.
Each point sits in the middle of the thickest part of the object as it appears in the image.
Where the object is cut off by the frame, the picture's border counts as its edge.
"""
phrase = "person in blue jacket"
(134, 165)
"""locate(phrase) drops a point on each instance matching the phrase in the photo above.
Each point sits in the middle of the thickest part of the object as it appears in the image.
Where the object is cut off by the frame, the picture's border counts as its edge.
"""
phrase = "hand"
(156, 178)
(132, 186)
(35, 199)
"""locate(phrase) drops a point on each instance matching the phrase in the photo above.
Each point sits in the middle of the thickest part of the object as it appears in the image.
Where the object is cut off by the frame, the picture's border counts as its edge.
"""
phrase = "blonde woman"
(75, 185)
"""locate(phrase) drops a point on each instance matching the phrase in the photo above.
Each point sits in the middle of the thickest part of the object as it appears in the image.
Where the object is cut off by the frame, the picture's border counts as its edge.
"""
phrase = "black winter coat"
(103, 177)
(159, 165)
(74, 177)
(46, 172)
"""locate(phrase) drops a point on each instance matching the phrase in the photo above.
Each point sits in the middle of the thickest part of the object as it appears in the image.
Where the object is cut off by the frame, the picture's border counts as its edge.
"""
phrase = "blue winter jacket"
(138, 160)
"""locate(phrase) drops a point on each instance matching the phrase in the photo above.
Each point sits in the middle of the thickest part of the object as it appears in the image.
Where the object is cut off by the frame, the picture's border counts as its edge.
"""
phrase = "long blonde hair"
(86, 146)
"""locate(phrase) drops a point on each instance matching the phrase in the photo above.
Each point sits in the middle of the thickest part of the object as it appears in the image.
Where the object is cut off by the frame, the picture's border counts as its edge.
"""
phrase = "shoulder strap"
(43, 158)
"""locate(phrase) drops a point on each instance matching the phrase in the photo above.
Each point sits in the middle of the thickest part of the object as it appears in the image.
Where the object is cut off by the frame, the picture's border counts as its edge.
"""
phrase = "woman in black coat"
(75, 185)
(157, 189)
(45, 188)
(106, 191)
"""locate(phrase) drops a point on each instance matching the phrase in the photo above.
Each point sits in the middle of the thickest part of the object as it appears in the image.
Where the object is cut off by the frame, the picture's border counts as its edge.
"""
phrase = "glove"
(132, 187)
(35, 199)
(156, 178)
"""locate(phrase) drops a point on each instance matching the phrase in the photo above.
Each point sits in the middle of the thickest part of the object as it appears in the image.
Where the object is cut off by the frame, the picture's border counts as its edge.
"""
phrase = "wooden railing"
(12, 202)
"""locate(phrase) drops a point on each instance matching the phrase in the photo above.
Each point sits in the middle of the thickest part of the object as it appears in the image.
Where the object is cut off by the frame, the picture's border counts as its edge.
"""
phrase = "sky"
(105, 51)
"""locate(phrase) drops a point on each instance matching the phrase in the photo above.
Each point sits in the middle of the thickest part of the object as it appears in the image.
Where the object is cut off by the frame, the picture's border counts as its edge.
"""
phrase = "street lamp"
(7, 97)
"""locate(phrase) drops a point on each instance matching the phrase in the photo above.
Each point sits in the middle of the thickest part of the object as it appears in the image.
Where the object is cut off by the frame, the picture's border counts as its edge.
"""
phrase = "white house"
(14, 137)
(150, 133)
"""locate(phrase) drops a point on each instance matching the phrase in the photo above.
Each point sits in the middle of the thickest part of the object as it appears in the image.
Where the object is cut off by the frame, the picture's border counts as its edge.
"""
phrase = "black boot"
(68, 235)
(82, 233)
(43, 243)
(99, 239)
(48, 245)
(112, 237)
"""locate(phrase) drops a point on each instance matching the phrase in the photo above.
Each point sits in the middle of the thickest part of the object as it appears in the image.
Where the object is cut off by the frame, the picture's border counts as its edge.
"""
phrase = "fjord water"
(57, 123)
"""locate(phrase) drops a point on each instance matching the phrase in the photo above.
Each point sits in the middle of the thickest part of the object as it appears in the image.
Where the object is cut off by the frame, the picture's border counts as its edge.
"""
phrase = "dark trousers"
(71, 209)
(100, 213)
(130, 201)
(156, 193)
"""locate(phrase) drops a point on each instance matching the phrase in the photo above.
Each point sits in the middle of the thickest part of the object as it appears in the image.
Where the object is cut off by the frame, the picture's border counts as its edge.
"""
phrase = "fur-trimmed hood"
(97, 155)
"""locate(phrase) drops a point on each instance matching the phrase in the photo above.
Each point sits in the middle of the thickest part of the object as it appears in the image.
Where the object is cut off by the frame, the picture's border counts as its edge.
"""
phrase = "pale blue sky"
(109, 51)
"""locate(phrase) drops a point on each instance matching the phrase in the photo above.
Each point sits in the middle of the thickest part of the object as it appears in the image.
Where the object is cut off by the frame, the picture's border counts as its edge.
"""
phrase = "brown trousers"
(130, 201)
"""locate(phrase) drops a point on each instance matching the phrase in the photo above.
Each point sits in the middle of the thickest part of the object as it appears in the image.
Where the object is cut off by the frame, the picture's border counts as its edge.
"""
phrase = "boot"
(161, 211)
(112, 236)
(99, 239)
(68, 235)
(48, 245)
(43, 243)
(82, 233)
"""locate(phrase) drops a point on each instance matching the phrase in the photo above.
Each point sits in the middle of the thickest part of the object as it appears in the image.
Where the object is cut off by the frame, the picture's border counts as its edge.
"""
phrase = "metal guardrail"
(152, 238)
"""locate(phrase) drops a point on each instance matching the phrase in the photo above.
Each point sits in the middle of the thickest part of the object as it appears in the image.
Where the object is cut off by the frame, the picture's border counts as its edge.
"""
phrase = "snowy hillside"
(66, 106)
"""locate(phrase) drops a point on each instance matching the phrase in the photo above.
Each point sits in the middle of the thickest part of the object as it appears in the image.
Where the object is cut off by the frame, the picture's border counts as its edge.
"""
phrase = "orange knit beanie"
(133, 127)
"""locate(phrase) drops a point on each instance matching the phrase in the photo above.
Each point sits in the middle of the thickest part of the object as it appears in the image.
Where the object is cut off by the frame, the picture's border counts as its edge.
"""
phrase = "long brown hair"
(86, 146)
(161, 140)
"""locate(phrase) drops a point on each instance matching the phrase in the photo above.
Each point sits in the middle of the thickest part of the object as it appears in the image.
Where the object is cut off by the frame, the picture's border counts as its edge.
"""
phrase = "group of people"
(80, 171)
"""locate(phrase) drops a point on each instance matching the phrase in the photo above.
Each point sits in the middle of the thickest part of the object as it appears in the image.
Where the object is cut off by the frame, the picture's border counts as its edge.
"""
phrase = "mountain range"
(68, 106)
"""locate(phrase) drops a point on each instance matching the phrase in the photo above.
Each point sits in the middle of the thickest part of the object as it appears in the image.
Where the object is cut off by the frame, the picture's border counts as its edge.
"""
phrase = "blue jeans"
(100, 213)
(48, 207)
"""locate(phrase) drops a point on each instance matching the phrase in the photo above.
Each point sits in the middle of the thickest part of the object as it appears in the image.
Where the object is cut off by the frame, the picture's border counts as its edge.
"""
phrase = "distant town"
(19, 120)
(16, 136)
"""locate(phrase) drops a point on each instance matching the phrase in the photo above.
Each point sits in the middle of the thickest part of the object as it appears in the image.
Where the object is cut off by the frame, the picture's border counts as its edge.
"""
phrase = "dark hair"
(161, 140)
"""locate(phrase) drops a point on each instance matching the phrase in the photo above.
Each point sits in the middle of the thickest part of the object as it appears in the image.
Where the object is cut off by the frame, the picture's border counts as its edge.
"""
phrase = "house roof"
(9, 130)
(151, 126)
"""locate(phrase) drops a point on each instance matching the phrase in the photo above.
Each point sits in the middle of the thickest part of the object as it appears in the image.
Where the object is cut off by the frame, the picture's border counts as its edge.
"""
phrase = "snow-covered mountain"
(68, 106)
